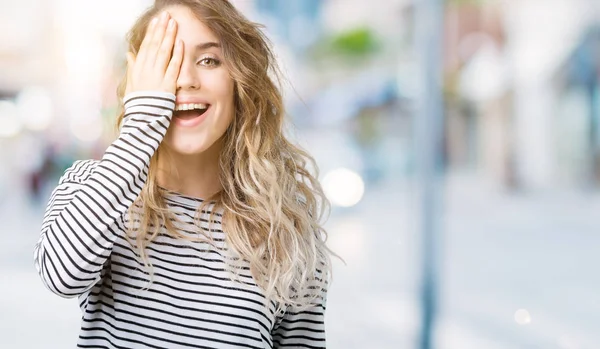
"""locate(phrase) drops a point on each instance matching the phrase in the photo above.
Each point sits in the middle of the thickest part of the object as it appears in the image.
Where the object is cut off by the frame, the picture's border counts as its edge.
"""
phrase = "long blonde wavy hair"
(272, 203)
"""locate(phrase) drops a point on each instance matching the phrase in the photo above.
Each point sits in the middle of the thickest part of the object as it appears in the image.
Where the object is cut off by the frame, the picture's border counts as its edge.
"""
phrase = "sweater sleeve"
(85, 213)
(302, 328)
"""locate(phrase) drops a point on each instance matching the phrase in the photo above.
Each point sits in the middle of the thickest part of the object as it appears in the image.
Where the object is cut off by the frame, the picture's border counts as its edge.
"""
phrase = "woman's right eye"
(209, 62)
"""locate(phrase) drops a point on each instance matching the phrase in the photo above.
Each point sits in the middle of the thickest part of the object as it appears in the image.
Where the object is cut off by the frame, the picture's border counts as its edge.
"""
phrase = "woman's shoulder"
(79, 171)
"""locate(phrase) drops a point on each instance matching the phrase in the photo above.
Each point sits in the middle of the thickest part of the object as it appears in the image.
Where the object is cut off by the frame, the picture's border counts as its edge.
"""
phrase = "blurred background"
(515, 204)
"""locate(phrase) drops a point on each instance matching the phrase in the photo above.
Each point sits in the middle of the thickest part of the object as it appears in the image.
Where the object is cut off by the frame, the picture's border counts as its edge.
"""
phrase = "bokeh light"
(522, 317)
(9, 119)
(87, 129)
(343, 187)
(35, 108)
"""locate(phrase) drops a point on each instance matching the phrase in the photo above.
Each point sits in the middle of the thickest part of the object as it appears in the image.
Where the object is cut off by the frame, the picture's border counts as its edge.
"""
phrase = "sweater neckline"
(181, 199)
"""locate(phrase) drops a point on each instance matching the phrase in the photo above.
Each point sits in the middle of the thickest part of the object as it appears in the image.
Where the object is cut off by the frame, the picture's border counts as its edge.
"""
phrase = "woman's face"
(205, 89)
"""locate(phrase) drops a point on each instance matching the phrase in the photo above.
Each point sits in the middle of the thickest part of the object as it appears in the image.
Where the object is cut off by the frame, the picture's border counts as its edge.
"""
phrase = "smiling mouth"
(190, 114)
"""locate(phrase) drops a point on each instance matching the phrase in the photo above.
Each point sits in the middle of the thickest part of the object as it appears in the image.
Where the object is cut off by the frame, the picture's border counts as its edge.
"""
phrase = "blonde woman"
(200, 227)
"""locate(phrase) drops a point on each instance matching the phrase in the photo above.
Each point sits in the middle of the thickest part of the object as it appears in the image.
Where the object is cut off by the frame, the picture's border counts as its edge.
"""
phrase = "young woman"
(200, 227)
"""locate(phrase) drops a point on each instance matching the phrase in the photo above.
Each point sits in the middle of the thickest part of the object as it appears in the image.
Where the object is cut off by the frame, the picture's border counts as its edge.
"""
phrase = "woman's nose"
(188, 79)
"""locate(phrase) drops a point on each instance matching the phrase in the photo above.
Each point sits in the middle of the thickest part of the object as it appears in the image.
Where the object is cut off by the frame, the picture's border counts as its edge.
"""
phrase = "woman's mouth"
(190, 116)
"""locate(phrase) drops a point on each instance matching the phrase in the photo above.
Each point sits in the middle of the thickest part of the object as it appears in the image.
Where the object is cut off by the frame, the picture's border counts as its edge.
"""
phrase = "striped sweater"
(192, 302)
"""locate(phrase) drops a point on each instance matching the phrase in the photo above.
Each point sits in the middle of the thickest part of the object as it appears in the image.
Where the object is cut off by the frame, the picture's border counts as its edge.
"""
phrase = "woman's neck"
(192, 175)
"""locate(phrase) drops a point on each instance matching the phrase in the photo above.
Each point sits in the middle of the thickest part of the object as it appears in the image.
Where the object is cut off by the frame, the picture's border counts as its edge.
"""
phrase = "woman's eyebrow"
(207, 45)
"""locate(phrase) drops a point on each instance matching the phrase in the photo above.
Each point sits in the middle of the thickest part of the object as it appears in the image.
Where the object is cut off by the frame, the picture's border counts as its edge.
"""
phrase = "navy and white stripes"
(192, 301)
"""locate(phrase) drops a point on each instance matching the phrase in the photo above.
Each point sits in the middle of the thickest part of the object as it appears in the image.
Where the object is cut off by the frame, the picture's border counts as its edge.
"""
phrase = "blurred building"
(577, 88)
(295, 21)
(502, 114)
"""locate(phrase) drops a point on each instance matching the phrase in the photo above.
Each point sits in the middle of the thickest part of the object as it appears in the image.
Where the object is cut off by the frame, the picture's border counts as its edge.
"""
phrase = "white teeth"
(190, 106)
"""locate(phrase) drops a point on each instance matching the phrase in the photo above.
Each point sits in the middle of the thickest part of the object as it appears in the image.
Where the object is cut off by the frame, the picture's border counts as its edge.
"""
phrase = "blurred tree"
(356, 42)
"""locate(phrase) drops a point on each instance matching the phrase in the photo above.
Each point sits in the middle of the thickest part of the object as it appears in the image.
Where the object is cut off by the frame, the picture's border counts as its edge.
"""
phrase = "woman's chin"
(194, 147)
(189, 149)
(182, 144)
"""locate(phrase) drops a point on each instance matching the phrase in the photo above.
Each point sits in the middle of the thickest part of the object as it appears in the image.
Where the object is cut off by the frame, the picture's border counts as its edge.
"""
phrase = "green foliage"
(349, 46)
(356, 42)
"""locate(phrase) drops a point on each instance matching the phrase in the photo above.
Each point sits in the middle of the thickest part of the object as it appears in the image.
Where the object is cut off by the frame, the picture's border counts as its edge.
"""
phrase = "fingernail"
(164, 15)
(154, 20)
(171, 23)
